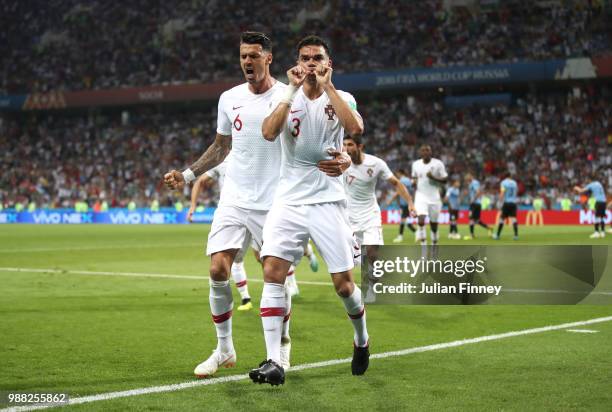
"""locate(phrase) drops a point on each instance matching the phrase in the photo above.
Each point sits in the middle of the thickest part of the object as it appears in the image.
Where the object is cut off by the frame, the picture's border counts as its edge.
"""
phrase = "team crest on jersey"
(330, 112)
(370, 171)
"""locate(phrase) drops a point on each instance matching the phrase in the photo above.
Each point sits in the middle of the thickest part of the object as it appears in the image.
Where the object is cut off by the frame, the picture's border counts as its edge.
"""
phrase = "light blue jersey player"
(509, 193)
(475, 195)
(452, 198)
(406, 218)
(597, 191)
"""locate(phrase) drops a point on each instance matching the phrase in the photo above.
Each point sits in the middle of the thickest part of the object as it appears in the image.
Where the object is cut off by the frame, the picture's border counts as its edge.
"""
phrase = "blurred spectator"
(94, 44)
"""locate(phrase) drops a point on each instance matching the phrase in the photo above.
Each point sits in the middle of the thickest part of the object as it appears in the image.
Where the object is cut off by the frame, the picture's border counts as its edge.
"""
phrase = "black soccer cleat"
(268, 372)
(361, 359)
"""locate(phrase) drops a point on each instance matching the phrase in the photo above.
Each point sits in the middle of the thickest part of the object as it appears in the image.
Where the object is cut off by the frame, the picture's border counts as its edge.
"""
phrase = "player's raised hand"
(336, 166)
(174, 180)
(323, 74)
(296, 76)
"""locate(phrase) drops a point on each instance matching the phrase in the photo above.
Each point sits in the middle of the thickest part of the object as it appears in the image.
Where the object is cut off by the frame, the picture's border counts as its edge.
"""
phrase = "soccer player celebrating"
(596, 189)
(452, 198)
(406, 216)
(250, 182)
(364, 213)
(508, 193)
(311, 118)
(429, 174)
(475, 195)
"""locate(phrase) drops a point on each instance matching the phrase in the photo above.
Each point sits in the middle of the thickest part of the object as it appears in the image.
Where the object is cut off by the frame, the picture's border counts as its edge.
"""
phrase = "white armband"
(188, 175)
(289, 95)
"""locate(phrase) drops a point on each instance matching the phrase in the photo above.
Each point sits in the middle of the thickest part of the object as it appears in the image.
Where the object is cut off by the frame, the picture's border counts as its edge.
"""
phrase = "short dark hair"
(255, 37)
(356, 139)
(313, 40)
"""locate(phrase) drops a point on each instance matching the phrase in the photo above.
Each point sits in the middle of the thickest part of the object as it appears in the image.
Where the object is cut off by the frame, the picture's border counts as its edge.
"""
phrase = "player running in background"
(406, 215)
(311, 117)
(364, 213)
(452, 199)
(250, 182)
(596, 189)
(475, 195)
(429, 174)
(508, 193)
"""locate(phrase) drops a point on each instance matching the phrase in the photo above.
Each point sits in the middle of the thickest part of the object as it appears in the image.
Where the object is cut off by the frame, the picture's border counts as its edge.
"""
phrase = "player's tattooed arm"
(273, 124)
(213, 156)
(350, 119)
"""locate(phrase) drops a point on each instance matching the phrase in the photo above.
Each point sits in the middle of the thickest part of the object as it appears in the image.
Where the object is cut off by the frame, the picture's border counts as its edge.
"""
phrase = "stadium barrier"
(169, 216)
(548, 217)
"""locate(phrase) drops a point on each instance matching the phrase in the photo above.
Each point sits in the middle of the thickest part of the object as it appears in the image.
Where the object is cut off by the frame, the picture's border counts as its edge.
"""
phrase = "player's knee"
(273, 273)
(345, 289)
(219, 271)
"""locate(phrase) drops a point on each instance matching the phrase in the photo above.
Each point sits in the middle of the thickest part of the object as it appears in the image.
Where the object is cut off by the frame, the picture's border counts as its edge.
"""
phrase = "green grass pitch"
(83, 333)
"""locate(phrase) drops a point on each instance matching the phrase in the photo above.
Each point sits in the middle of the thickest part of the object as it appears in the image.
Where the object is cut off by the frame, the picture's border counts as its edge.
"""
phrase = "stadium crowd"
(550, 142)
(76, 44)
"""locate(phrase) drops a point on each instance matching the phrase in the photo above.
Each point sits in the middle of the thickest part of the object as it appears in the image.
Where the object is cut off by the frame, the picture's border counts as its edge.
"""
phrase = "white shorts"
(370, 236)
(234, 227)
(288, 229)
(428, 208)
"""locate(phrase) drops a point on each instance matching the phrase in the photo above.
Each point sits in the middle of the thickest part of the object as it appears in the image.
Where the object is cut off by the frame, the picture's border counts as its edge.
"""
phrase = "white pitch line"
(131, 246)
(315, 365)
(138, 275)
(582, 330)
(255, 280)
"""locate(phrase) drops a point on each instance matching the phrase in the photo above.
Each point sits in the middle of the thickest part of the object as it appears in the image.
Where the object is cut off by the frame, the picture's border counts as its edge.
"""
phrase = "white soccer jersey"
(217, 173)
(360, 184)
(312, 128)
(427, 190)
(252, 172)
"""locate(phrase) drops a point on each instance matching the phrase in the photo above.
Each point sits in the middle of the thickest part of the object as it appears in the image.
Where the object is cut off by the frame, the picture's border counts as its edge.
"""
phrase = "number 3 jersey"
(360, 184)
(252, 169)
(312, 128)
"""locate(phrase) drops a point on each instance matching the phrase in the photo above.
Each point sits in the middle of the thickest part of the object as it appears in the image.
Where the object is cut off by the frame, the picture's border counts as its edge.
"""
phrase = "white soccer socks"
(356, 311)
(286, 319)
(240, 278)
(272, 312)
(221, 304)
(422, 234)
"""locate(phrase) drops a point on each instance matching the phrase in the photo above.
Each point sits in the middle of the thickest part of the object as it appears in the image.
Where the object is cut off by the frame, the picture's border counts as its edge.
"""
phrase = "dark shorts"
(600, 209)
(475, 211)
(405, 212)
(454, 214)
(508, 210)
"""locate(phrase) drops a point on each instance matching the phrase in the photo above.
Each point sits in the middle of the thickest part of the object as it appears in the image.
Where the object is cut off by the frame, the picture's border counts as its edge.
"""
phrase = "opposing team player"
(452, 199)
(475, 194)
(508, 193)
(430, 174)
(406, 215)
(596, 189)
(250, 181)
(311, 118)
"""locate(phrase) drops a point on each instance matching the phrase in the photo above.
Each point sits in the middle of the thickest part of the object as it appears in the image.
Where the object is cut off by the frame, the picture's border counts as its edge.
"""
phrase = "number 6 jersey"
(253, 168)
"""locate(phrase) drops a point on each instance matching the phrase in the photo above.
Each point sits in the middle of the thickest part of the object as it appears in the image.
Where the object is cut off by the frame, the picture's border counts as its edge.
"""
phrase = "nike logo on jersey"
(295, 111)
(236, 107)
